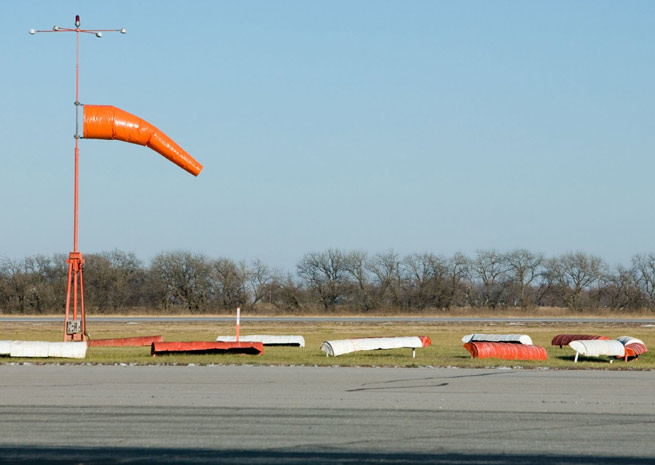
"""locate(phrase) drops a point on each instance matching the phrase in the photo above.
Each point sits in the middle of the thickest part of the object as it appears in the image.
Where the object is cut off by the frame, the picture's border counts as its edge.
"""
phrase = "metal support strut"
(74, 328)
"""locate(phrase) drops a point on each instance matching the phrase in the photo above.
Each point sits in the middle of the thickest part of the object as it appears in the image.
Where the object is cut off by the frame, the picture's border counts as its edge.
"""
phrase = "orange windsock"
(109, 122)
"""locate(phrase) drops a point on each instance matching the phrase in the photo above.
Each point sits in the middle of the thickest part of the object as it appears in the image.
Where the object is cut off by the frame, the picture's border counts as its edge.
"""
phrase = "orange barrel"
(505, 351)
(634, 350)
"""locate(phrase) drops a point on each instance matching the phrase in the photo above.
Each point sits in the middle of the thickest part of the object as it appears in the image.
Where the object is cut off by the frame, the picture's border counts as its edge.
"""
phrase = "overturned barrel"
(634, 350)
(514, 338)
(596, 348)
(565, 339)
(506, 351)
(345, 346)
(633, 347)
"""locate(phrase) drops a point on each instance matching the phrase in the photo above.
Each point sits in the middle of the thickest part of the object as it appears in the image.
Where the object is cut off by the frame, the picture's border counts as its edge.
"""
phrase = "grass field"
(446, 350)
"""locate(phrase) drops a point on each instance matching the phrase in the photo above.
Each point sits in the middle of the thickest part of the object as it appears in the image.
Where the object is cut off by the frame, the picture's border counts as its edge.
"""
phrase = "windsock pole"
(75, 329)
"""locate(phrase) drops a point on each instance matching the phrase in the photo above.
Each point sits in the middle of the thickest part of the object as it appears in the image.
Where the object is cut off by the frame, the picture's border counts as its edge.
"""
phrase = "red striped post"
(238, 322)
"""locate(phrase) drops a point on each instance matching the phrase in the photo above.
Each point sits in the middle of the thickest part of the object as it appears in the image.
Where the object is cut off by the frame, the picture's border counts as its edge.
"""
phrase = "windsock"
(111, 123)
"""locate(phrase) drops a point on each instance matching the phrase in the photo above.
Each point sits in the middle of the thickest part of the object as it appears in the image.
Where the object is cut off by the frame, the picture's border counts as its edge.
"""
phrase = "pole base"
(74, 328)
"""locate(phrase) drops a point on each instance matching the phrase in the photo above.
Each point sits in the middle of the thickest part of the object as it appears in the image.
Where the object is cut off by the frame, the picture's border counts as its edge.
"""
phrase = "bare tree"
(428, 276)
(524, 267)
(283, 292)
(325, 275)
(643, 268)
(17, 285)
(355, 265)
(32, 285)
(490, 268)
(574, 274)
(459, 292)
(100, 280)
(386, 277)
(113, 280)
(620, 290)
(228, 281)
(258, 278)
(130, 280)
(333, 279)
(184, 278)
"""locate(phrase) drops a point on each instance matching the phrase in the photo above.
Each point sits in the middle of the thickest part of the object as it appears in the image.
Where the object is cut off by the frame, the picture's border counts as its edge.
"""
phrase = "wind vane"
(105, 122)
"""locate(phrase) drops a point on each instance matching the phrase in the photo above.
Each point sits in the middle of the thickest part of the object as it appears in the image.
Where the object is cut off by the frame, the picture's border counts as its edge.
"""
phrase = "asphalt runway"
(306, 415)
(648, 322)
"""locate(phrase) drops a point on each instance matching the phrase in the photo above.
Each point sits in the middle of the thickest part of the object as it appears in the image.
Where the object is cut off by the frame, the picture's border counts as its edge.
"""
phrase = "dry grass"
(446, 349)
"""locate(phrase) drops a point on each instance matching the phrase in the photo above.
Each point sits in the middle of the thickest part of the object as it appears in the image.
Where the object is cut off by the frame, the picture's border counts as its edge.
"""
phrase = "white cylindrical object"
(67, 349)
(40, 349)
(267, 340)
(345, 346)
(35, 349)
(596, 347)
(5, 347)
(520, 338)
(625, 340)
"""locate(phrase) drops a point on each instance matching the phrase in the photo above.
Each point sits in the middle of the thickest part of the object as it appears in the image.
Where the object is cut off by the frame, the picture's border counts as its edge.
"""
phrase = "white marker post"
(238, 321)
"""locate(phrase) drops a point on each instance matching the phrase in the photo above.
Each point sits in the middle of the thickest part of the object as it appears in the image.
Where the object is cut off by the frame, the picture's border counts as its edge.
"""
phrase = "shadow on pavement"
(61, 455)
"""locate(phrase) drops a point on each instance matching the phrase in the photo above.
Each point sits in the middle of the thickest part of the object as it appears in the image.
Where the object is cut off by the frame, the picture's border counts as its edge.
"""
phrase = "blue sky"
(421, 126)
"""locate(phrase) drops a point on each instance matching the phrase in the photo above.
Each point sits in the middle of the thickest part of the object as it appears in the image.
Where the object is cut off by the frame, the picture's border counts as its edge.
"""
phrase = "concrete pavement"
(247, 414)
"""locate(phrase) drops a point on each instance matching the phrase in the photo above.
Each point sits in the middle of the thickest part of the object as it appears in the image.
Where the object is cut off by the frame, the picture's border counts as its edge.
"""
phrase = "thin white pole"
(238, 321)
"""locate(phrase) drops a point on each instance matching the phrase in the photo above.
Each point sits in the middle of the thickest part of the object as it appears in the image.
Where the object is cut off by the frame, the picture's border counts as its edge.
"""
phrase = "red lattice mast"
(75, 324)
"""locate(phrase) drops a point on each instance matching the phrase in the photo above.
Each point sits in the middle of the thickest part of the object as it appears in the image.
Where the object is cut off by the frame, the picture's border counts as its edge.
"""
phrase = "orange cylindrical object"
(635, 349)
(505, 351)
(111, 123)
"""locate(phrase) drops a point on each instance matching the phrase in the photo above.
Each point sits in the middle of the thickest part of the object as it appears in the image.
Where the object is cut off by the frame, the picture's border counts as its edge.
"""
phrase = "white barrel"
(595, 348)
(67, 349)
(40, 349)
(517, 338)
(5, 347)
(267, 340)
(345, 346)
(625, 340)
(36, 349)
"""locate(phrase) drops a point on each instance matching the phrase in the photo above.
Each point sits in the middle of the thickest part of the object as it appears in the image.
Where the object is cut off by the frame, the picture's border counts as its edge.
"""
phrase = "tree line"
(331, 281)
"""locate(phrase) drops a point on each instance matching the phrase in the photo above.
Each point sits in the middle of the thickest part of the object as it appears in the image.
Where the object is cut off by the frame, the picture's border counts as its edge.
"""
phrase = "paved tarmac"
(301, 319)
(307, 415)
